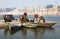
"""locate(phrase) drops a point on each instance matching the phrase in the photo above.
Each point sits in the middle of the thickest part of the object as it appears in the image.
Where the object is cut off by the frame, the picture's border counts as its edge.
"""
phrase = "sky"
(26, 3)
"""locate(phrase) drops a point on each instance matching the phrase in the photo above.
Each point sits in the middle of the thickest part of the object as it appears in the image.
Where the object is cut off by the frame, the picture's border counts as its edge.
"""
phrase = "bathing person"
(42, 20)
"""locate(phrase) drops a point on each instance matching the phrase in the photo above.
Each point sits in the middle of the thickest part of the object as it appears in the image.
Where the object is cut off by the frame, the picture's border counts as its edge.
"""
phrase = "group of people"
(23, 19)
(8, 18)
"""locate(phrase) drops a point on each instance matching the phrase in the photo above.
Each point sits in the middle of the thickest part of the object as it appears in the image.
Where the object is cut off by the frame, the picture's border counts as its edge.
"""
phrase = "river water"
(38, 33)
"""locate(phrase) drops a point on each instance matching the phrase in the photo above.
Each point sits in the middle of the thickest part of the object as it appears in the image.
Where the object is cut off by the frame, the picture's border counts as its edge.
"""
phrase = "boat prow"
(46, 24)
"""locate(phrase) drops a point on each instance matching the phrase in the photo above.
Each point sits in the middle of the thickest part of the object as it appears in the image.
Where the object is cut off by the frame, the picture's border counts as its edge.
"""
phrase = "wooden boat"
(34, 25)
(31, 25)
(45, 24)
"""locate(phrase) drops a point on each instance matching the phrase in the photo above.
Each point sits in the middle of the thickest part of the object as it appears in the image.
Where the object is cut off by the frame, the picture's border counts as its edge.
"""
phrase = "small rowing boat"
(34, 25)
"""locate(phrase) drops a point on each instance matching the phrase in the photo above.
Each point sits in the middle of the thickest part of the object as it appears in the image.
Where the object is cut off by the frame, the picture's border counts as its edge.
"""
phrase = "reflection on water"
(13, 30)
(27, 33)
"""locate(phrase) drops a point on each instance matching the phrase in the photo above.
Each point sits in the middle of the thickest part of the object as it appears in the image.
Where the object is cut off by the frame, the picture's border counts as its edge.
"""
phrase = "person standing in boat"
(25, 17)
(42, 20)
(36, 20)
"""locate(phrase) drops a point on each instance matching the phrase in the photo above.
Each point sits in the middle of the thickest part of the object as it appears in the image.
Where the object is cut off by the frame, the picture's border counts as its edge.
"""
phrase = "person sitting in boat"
(8, 18)
(36, 20)
(42, 20)
(21, 18)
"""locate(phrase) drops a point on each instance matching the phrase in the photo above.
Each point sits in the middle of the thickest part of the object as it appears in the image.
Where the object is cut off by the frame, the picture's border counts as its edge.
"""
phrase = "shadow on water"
(26, 32)
(13, 30)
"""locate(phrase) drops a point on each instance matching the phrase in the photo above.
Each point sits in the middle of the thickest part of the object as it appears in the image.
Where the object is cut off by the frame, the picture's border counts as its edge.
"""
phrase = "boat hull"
(45, 24)
(30, 25)
(34, 25)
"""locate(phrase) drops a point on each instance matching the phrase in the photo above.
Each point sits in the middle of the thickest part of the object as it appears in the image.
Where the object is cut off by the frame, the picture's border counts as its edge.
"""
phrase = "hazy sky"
(26, 3)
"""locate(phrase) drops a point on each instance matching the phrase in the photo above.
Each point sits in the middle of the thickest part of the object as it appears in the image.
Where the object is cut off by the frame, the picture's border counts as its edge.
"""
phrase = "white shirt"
(41, 21)
(36, 20)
